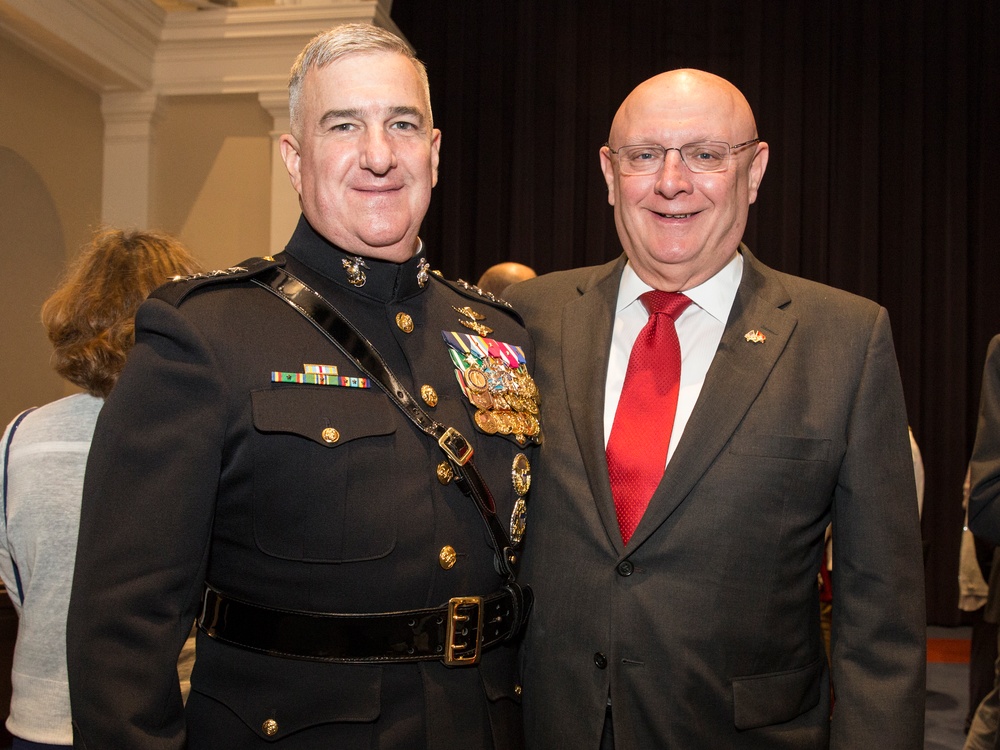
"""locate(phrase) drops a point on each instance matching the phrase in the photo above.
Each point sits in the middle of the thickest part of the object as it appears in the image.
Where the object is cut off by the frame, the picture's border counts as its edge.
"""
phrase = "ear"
(290, 154)
(609, 173)
(757, 167)
(435, 154)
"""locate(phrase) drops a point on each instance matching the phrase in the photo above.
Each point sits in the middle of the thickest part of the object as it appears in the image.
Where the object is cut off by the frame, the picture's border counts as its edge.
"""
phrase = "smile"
(674, 216)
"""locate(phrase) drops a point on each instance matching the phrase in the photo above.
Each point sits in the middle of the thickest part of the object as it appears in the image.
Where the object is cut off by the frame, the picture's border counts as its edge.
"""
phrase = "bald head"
(673, 97)
(497, 278)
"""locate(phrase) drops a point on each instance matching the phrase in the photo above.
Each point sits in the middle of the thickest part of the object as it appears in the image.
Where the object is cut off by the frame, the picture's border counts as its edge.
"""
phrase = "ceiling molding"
(136, 45)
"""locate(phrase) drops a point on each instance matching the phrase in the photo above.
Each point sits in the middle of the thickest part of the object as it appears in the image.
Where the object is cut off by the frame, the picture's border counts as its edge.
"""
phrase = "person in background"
(90, 322)
(324, 456)
(706, 418)
(984, 523)
(497, 278)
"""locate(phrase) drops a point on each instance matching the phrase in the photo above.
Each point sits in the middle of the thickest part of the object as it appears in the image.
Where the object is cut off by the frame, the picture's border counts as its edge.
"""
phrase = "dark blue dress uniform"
(210, 466)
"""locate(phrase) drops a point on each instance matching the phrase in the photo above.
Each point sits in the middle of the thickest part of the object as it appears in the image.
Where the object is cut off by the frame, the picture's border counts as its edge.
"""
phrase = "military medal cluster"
(494, 377)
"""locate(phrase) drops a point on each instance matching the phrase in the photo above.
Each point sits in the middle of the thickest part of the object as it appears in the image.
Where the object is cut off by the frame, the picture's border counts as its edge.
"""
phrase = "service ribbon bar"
(316, 378)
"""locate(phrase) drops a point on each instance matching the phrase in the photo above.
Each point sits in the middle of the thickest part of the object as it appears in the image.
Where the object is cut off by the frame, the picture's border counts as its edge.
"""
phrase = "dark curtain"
(882, 120)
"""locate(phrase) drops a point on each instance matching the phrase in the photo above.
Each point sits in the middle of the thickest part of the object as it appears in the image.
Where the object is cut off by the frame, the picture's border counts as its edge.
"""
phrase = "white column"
(129, 120)
(284, 200)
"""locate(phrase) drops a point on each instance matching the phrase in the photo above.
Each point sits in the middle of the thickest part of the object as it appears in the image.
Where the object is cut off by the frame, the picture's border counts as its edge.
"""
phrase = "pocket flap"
(259, 690)
(766, 699)
(312, 411)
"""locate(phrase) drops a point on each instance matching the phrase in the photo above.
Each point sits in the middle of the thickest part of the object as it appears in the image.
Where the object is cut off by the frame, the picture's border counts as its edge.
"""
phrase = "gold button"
(447, 557)
(269, 258)
(444, 472)
(517, 690)
(429, 395)
(404, 322)
(270, 727)
(330, 435)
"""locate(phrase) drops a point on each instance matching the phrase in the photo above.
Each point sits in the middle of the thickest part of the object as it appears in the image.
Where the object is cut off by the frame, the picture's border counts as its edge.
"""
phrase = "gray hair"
(342, 41)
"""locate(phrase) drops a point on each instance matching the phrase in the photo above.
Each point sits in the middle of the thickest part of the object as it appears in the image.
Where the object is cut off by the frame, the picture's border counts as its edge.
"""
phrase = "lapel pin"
(754, 337)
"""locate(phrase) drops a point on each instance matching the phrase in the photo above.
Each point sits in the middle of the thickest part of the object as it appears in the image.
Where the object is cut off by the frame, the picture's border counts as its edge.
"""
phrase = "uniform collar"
(384, 280)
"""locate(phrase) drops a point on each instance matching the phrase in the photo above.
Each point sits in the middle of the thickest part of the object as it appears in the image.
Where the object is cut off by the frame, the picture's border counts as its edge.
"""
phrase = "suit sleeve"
(879, 618)
(984, 497)
(145, 526)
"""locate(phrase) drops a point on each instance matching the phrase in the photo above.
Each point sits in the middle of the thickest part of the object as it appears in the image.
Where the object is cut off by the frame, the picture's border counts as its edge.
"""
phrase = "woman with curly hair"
(90, 320)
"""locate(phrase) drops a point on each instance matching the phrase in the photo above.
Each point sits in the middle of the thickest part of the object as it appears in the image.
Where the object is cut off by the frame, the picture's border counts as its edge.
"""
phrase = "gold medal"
(505, 422)
(476, 379)
(481, 399)
(486, 422)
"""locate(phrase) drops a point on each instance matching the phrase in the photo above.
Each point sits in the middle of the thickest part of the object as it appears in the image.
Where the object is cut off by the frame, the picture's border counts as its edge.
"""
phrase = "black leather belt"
(455, 634)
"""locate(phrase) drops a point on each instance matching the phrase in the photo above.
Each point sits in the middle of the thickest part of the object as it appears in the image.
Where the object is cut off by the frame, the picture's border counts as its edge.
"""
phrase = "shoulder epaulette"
(179, 288)
(473, 292)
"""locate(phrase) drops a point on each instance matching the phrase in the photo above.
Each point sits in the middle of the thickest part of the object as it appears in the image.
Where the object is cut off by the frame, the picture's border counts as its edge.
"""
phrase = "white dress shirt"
(699, 329)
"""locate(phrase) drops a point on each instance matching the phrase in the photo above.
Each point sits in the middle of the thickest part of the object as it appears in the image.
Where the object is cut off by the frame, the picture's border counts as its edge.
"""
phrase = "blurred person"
(90, 322)
(706, 417)
(984, 523)
(497, 278)
(325, 456)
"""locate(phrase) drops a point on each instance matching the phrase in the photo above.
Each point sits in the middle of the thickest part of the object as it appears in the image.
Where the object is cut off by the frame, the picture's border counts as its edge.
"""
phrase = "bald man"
(706, 418)
(497, 278)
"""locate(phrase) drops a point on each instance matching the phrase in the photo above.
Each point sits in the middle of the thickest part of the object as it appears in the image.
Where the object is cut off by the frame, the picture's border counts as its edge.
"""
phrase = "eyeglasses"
(704, 156)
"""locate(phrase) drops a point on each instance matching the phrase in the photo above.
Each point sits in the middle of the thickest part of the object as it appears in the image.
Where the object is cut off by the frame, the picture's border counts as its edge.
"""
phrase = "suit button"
(625, 568)
(600, 660)
(447, 557)
(330, 435)
(270, 727)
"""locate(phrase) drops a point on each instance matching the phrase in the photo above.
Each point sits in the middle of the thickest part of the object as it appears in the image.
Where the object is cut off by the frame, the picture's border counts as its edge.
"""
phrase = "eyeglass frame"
(732, 150)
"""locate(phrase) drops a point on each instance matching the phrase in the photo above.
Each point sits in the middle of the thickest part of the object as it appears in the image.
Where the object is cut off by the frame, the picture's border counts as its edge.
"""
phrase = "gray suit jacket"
(704, 631)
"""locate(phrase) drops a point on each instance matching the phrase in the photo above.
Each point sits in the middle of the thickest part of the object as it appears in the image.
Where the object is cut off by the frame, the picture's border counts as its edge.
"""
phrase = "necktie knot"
(668, 303)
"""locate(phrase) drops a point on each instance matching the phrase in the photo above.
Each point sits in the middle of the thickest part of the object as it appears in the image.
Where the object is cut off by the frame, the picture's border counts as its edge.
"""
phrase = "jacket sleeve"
(984, 505)
(878, 649)
(145, 526)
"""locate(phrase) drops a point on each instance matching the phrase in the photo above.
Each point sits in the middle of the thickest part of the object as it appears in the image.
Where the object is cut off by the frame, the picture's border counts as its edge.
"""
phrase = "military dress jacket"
(704, 629)
(217, 459)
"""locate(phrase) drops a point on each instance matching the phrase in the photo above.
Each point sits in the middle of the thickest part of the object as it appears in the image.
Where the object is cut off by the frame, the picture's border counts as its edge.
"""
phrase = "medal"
(518, 521)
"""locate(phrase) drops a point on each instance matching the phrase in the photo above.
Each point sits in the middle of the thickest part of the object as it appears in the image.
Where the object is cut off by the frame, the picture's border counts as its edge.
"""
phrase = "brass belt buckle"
(456, 446)
(465, 623)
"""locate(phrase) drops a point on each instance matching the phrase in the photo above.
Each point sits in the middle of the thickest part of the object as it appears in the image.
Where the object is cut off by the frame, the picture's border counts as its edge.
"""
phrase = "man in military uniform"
(269, 473)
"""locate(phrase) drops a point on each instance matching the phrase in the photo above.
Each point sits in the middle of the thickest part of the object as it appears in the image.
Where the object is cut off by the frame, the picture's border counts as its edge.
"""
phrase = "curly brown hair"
(90, 318)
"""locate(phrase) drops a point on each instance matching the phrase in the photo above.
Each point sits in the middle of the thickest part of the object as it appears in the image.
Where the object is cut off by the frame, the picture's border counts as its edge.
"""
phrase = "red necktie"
(640, 435)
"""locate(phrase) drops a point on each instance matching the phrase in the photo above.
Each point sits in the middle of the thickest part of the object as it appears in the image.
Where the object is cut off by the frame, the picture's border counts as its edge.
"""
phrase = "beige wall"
(210, 175)
(50, 198)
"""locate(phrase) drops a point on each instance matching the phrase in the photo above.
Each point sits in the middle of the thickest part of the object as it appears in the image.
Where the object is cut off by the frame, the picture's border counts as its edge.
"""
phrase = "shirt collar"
(715, 296)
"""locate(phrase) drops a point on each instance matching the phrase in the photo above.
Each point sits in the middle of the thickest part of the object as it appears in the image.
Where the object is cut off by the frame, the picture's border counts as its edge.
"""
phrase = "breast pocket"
(324, 474)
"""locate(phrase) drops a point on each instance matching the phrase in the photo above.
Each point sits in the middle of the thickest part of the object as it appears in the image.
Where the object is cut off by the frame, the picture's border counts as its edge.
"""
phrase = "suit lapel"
(735, 377)
(587, 324)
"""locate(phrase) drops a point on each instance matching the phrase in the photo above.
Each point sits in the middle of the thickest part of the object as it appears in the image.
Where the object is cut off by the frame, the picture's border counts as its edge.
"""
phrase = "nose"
(377, 154)
(674, 178)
